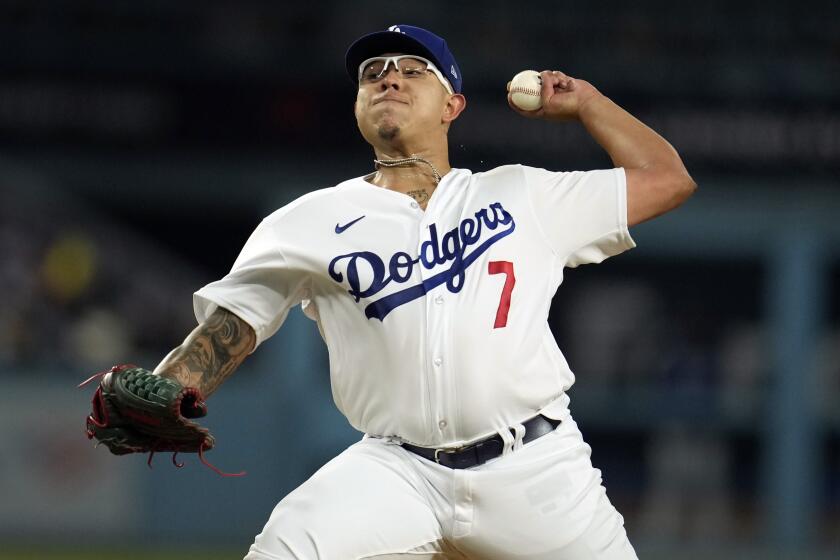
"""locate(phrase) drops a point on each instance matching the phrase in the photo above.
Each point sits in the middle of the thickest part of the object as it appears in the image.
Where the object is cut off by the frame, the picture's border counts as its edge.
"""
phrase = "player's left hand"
(135, 411)
(562, 97)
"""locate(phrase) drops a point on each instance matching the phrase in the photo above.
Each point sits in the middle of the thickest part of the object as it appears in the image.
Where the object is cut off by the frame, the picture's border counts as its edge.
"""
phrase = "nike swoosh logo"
(340, 229)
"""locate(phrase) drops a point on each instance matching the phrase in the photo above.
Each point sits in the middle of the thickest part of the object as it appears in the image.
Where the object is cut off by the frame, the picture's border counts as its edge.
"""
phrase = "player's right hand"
(562, 97)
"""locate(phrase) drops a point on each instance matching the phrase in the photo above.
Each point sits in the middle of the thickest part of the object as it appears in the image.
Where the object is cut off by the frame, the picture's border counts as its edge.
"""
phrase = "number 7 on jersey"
(506, 268)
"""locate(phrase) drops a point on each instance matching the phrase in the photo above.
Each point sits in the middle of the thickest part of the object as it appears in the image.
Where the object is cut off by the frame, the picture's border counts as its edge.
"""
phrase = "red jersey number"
(503, 267)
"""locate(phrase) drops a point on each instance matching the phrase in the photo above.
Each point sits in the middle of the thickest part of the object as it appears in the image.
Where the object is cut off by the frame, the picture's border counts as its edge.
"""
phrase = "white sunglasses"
(373, 69)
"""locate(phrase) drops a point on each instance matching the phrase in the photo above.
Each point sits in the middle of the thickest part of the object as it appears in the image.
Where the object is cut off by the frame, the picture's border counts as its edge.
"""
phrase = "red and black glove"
(135, 411)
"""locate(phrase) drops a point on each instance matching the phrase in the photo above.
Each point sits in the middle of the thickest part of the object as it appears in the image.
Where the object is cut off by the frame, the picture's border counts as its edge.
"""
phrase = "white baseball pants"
(540, 501)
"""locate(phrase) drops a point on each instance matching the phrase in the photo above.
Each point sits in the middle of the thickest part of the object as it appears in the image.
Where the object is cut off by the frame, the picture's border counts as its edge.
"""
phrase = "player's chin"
(387, 120)
(388, 131)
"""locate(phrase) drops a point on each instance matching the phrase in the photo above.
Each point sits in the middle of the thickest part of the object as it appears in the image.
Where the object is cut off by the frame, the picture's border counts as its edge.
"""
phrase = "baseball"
(525, 90)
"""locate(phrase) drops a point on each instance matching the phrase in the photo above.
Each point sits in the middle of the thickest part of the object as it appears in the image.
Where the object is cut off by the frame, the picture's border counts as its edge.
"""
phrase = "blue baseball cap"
(406, 39)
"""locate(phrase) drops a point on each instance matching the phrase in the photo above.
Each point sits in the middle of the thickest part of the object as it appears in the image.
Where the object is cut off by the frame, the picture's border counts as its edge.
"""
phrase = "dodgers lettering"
(451, 248)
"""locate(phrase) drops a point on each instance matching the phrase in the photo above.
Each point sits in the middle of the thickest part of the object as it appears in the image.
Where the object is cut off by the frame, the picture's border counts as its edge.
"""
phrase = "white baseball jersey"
(435, 320)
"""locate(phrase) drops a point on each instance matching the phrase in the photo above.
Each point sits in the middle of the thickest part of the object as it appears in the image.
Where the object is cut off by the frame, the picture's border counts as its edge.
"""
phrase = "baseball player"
(431, 287)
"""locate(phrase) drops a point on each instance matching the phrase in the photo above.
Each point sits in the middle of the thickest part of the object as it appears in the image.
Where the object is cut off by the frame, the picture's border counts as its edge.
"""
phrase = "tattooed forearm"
(211, 353)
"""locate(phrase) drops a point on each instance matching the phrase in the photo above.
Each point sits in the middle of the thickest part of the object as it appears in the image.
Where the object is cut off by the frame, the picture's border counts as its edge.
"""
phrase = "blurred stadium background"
(141, 142)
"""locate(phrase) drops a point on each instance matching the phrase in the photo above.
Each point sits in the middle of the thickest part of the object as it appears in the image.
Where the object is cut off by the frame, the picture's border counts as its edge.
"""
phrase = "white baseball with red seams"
(435, 320)
(525, 90)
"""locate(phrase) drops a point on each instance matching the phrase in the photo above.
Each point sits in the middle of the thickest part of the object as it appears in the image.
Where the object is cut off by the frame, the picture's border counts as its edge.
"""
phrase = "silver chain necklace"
(406, 161)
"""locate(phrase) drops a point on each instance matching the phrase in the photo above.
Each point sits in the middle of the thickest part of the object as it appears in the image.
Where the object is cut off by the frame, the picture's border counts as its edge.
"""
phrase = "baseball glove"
(135, 411)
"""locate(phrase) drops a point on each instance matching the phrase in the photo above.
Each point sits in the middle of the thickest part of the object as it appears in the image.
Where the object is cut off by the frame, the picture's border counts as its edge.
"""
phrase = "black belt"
(484, 450)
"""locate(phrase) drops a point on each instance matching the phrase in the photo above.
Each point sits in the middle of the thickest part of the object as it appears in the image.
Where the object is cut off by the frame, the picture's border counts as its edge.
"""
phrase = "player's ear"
(454, 106)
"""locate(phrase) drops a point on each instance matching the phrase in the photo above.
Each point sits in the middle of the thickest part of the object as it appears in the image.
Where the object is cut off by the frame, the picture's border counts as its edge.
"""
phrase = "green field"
(645, 553)
(116, 554)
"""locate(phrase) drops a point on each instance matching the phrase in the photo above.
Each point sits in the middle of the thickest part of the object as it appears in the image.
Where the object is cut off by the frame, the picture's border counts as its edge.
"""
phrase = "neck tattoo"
(421, 196)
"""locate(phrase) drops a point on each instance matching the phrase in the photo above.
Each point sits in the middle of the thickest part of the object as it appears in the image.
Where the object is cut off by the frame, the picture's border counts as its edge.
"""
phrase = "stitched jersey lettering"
(450, 248)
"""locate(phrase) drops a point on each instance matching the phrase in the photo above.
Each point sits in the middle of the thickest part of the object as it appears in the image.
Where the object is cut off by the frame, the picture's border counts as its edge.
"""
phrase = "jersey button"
(438, 361)
(415, 205)
(442, 424)
(439, 300)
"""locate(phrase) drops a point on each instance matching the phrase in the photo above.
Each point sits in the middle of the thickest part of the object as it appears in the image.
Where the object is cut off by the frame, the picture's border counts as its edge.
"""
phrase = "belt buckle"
(439, 451)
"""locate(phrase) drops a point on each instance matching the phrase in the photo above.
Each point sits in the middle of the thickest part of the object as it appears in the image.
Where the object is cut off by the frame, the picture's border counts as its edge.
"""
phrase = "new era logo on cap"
(394, 28)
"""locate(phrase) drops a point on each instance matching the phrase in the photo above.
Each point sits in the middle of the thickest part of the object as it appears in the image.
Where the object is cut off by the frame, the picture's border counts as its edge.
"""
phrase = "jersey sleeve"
(583, 214)
(261, 287)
